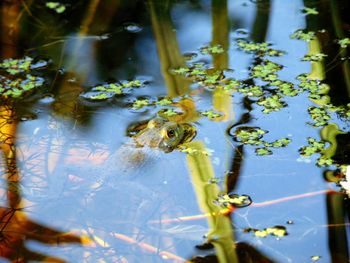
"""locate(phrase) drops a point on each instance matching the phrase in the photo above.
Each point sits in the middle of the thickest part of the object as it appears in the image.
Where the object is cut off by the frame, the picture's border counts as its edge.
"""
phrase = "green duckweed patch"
(314, 57)
(276, 231)
(253, 136)
(310, 11)
(316, 147)
(56, 6)
(301, 34)
(260, 49)
(227, 200)
(214, 49)
(344, 43)
(20, 78)
(319, 115)
(211, 114)
(110, 90)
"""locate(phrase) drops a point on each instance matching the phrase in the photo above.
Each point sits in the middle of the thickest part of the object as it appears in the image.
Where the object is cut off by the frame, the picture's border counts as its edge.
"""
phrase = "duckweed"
(19, 79)
(303, 35)
(314, 57)
(313, 147)
(261, 49)
(344, 43)
(271, 103)
(214, 49)
(310, 11)
(226, 200)
(58, 7)
(109, 90)
(319, 115)
(253, 136)
(277, 231)
(211, 114)
(266, 70)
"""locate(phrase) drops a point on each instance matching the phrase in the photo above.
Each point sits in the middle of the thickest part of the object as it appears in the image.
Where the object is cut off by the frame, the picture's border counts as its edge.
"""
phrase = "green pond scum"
(175, 131)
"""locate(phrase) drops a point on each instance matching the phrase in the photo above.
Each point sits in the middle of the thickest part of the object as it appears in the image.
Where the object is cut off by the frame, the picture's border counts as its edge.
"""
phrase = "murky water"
(265, 86)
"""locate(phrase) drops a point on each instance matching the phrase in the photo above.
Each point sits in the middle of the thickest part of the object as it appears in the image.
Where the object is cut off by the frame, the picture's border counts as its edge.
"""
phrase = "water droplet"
(133, 28)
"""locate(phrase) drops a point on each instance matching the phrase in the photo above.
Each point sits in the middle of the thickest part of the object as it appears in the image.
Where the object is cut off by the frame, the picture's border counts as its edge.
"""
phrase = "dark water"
(76, 187)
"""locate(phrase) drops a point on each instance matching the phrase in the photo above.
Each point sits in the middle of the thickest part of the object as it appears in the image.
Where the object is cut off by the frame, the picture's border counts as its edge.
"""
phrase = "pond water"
(175, 131)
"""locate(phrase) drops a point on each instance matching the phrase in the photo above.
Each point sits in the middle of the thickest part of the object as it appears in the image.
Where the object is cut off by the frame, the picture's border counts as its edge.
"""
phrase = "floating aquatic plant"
(191, 150)
(109, 90)
(140, 103)
(226, 200)
(314, 57)
(251, 90)
(261, 49)
(263, 151)
(266, 70)
(23, 65)
(314, 146)
(271, 103)
(277, 231)
(253, 136)
(310, 11)
(18, 79)
(285, 88)
(57, 6)
(319, 115)
(211, 114)
(303, 35)
(214, 49)
(344, 42)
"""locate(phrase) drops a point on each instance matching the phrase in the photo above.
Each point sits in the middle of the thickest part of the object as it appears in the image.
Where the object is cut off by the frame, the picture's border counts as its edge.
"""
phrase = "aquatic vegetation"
(285, 88)
(303, 35)
(277, 231)
(253, 136)
(211, 114)
(314, 147)
(260, 49)
(344, 43)
(263, 151)
(227, 200)
(314, 86)
(310, 11)
(194, 151)
(110, 90)
(214, 49)
(57, 6)
(19, 79)
(319, 115)
(266, 70)
(314, 57)
(23, 65)
(271, 103)
(140, 103)
(249, 135)
(251, 91)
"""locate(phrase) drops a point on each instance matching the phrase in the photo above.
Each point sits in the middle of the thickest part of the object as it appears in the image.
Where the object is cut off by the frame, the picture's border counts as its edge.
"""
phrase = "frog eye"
(171, 133)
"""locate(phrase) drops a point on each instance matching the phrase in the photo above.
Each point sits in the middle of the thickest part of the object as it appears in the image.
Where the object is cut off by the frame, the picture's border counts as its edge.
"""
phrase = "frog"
(147, 140)
(161, 134)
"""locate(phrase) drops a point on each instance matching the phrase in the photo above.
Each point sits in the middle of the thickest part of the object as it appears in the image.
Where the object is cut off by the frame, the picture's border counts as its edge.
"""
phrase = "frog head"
(163, 134)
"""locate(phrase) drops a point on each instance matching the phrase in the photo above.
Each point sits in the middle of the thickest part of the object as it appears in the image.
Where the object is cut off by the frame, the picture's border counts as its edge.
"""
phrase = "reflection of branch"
(259, 204)
(168, 48)
(15, 228)
(220, 225)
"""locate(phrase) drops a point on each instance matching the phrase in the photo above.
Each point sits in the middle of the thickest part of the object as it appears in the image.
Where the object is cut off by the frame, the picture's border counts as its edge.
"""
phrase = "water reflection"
(80, 157)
